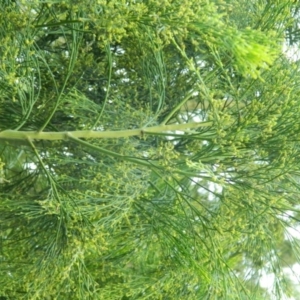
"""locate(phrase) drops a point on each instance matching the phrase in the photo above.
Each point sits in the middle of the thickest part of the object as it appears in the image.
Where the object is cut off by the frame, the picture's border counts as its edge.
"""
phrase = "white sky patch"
(118, 51)
(121, 71)
(286, 216)
(294, 232)
(197, 118)
(184, 71)
(214, 188)
(291, 232)
(268, 280)
(291, 52)
(294, 273)
(30, 166)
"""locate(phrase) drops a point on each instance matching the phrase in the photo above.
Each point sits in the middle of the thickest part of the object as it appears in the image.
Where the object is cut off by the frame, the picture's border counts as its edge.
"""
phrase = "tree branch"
(89, 134)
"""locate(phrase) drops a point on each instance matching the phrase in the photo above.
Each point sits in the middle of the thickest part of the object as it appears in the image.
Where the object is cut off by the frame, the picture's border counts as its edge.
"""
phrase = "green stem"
(89, 134)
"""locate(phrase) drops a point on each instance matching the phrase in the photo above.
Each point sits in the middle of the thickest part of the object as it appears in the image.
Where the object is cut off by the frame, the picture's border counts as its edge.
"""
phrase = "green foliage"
(199, 212)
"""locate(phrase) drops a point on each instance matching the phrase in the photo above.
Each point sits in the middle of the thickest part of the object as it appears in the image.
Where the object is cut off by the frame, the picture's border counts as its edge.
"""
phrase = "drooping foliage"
(189, 187)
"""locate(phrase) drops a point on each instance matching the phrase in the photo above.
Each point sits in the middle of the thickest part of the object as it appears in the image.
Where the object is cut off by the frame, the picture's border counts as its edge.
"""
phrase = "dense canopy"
(148, 149)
